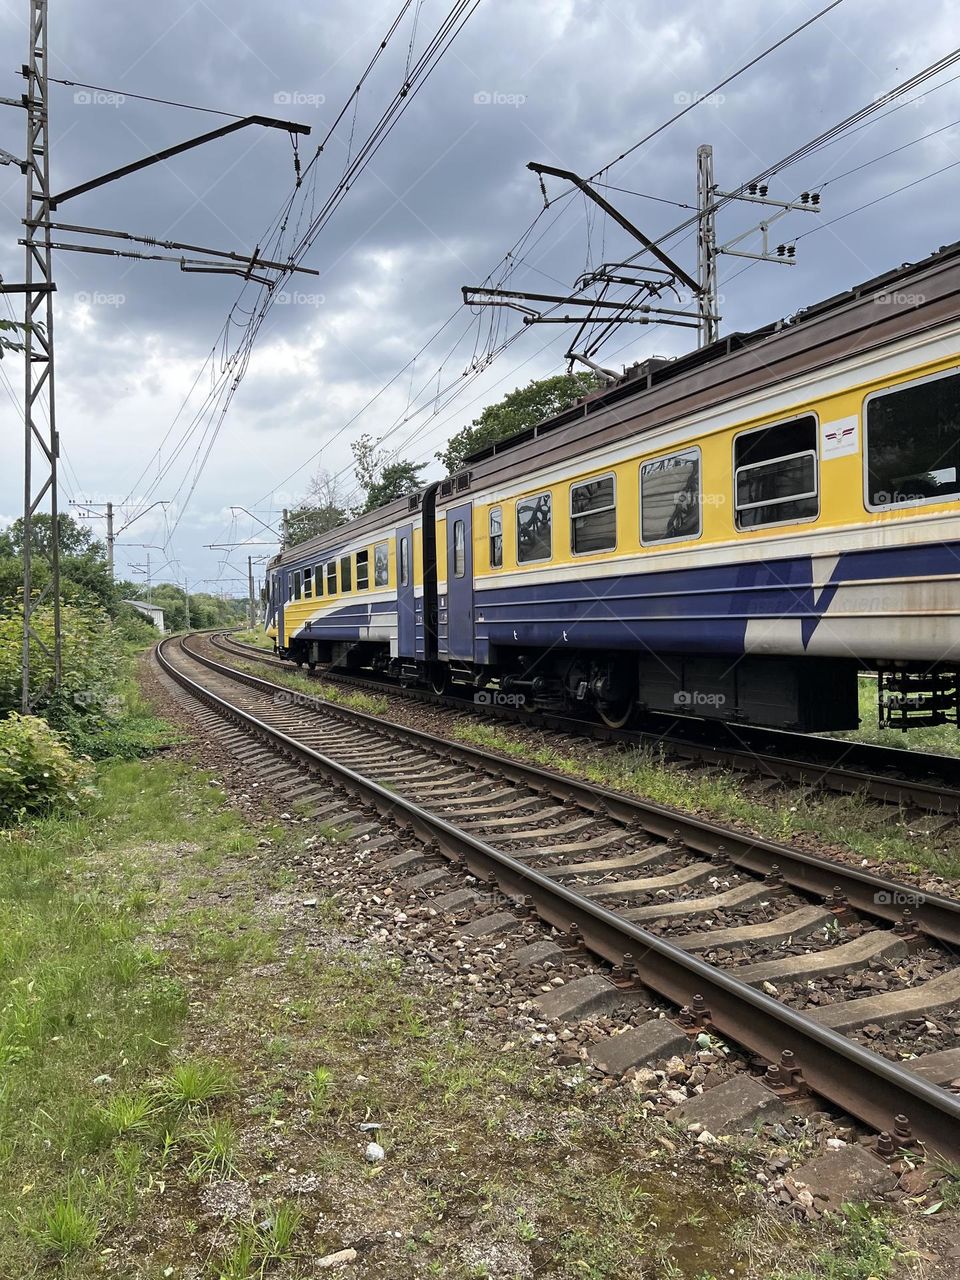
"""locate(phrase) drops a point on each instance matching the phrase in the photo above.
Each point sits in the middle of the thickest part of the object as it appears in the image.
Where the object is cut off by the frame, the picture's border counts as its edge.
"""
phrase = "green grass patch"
(257, 638)
(90, 1010)
(356, 700)
(942, 739)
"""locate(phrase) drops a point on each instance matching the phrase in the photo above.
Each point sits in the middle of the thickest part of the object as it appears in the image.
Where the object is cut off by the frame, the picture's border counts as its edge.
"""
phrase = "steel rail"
(846, 767)
(872, 1088)
(891, 900)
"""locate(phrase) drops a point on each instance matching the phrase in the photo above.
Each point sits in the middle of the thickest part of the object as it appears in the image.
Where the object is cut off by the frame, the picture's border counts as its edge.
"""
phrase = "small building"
(151, 611)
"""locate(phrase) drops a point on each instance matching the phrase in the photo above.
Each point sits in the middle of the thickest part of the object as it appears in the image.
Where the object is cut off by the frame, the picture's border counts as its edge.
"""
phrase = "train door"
(460, 582)
(279, 600)
(406, 604)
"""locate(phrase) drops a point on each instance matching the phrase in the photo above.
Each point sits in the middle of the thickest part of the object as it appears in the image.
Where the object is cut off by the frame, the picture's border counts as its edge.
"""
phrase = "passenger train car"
(732, 534)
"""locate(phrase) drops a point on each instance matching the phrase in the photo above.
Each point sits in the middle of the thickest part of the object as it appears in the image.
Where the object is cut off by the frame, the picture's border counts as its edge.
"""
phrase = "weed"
(127, 1113)
(66, 1228)
(318, 1085)
(213, 1143)
(192, 1083)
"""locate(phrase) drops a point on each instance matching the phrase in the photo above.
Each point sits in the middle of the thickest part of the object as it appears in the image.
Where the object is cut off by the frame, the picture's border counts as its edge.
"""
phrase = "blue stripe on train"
(687, 610)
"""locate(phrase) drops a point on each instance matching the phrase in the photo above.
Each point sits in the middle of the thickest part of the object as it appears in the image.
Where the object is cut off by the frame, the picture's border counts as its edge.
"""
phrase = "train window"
(297, 585)
(775, 474)
(913, 443)
(593, 515)
(404, 562)
(289, 586)
(318, 581)
(670, 497)
(381, 564)
(346, 576)
(534, 528)
(332, 578)
(496, 537)
(308, 584)
(363, 570)
(459, 548)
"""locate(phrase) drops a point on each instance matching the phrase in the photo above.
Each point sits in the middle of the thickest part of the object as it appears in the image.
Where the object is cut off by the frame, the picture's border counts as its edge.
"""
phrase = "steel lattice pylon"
(41, 444)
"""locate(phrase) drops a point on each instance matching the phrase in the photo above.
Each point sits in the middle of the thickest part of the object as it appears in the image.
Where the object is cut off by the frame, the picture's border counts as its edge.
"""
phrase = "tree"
(84, 574)
(519, 410)
(382, 481)
(9, 344)
(324, 509)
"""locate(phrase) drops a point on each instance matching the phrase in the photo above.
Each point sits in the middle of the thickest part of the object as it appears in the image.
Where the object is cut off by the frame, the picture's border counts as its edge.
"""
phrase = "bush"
(37, 770)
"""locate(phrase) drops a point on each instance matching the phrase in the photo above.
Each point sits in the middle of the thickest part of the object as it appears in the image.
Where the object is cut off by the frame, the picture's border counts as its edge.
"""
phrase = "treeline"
(98, 628)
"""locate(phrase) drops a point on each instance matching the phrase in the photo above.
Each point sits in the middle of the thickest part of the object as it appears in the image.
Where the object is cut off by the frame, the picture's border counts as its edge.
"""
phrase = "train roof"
(641, 380)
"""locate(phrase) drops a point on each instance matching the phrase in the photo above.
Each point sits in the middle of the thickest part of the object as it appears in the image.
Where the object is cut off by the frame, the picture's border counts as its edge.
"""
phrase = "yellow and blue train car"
(733, 534)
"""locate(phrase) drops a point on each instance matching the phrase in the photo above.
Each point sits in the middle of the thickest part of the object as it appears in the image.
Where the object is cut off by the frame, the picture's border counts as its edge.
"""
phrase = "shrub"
(37, 770)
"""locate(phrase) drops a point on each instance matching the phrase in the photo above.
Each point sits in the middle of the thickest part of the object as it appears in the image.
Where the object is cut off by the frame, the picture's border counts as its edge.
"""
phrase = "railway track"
(705, 917)
(891, 775)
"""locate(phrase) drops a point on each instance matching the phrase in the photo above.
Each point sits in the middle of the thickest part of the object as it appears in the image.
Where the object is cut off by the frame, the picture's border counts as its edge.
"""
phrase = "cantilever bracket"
(266, 122)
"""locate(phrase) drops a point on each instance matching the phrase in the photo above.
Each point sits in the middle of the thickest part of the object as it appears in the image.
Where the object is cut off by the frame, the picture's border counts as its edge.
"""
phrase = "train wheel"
(438, 680)
(615, 714)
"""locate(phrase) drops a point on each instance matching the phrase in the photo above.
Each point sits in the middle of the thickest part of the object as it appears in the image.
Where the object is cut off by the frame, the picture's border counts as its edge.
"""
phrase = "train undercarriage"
(807, 695)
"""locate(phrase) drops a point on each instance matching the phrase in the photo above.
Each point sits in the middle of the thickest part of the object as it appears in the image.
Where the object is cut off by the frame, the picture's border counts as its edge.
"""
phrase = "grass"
(90, 1011)
(372, 704)
(852, 820)
(259, 639)
(943, 739)
(860, 1250)
(143, 1066)
(192, 1083)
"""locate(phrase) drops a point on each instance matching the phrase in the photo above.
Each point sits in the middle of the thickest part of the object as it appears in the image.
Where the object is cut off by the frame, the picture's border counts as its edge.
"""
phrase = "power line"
(722, 84)
(142, 97)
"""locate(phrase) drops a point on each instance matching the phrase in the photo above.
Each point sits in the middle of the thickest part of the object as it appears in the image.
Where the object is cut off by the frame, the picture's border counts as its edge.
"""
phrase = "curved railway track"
(641, 887)
(892, 775)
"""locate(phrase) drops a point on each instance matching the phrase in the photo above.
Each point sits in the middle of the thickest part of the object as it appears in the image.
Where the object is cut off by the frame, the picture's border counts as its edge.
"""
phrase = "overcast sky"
(569, 82)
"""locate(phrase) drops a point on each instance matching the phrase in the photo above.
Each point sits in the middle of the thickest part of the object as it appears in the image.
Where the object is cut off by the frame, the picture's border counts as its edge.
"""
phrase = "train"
(734, 534)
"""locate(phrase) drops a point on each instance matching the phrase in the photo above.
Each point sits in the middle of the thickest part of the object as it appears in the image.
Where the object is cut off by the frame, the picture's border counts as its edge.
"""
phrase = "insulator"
(815, 198)
(752, 189)
(764, 189)
(804, 197)
(781, 250)
(791, 250)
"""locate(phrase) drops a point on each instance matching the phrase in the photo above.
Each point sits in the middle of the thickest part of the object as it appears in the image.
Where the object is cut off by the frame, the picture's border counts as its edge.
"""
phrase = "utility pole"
(41, 441)
(284, 529)
(707, 298)
(41, 480)
(86, 508)
(250, 588)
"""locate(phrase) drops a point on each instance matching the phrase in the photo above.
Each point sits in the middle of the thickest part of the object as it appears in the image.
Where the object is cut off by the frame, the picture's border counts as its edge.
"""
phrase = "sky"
(378, 341)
